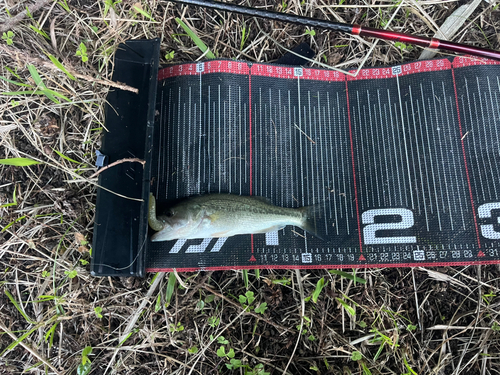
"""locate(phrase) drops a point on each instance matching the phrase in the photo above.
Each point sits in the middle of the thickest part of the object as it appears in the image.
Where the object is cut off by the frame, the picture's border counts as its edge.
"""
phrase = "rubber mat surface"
(403, 160)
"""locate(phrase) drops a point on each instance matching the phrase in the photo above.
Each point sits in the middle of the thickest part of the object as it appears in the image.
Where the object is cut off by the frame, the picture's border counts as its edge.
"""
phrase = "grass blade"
(319, 287)
(65, 157)
(349, 276)
(21, 311)
(199, 43)
(19, 162)
(143, 12)
(36, 77)
(14, 82)
(348, 308)
(170, 288)
(61, 66)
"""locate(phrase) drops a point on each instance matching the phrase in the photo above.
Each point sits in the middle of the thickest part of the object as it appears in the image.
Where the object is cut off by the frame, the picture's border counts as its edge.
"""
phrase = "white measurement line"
(247, 157)
(385, 151)
(296, 169)
(333, 162)
(329, 146)
(471, 141)
(395, 129)
(361, 146)
(227, 143)
(418, 158)
(200, 137)
(241, 157)
(271, 126)
(261, 136)
(186, 143)
(429, 146)
(323, 166)
(471, 134)
(214, 153)
(441, 145)
(262, 153)
(374, 154)
(282, 138)
(178, 174)
(392, 154)
(290, 132)
(496, 120)
(301, 155)
(209, 138)
(161, 177)
(311, 153)
(170, 139)
(219, 138)
(435, 156)
(300, 142)
(349, 196)
(223, 167)
(488, 139)
(402, 160)
(403, 128)
(459, 183)
(340, 166)
(328, 164)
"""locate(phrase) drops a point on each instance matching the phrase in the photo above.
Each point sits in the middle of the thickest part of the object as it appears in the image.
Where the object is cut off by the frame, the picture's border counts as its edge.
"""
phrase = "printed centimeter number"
(405, 220)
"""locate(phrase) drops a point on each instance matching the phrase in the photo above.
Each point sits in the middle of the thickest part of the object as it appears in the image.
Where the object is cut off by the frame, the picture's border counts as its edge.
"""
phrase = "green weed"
(85, 366)
(8, 36)
(82, 52)
(175, 327)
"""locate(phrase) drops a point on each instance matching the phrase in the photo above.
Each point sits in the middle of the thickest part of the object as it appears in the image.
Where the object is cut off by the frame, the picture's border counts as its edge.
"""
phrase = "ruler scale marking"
(419, 158)
(436, 145)
(384, 152)
(403, 130)
(488, 138)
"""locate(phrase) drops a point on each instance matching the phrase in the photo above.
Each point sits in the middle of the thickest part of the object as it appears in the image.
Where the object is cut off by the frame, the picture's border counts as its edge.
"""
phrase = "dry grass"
(439, 321)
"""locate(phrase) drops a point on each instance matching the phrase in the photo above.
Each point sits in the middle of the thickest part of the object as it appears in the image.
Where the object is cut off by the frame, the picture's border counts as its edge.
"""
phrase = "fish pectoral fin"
(274, 228)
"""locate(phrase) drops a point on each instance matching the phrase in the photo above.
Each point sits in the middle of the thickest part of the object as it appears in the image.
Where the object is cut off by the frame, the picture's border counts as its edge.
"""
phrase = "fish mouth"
(162, 235)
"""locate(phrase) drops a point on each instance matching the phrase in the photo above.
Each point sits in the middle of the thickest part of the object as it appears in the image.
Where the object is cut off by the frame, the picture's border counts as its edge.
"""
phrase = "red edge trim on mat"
(329, 266)
(276, 71)
(465, 160)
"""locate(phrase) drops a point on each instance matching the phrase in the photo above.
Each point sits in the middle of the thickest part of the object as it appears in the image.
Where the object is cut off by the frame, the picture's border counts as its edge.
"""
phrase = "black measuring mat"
(402, 161)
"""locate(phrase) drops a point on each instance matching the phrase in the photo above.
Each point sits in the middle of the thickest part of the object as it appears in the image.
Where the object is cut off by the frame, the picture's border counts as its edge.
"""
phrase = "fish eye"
(170, 213)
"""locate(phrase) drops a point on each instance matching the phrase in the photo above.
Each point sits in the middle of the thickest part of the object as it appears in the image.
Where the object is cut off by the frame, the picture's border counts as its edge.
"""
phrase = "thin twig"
(9, 25)
(23, 58)
(131, 160)
(300, 130)
(302, 313)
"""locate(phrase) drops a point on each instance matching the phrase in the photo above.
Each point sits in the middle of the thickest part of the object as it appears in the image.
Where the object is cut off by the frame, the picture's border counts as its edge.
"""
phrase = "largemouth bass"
(225, 215)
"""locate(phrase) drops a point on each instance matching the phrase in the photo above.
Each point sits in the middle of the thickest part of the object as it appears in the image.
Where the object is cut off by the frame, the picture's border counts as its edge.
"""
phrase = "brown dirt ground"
(426, 321)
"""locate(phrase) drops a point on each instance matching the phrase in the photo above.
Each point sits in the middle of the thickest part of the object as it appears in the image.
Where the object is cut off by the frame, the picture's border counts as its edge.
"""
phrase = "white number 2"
(484, 212)
(369, 231)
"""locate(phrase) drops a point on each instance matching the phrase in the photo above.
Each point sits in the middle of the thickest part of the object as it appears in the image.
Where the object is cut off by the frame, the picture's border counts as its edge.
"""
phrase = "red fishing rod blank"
(431, 43)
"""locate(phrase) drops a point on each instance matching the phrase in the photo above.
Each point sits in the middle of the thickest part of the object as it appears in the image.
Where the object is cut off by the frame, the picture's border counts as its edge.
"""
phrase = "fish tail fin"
(310, 220)
(154, 223)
